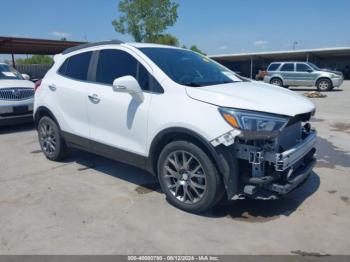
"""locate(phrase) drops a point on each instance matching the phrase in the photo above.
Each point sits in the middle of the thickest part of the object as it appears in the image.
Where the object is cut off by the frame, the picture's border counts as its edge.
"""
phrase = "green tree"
(167, 39)
(145, 20)
(195, 49)
(35, 59)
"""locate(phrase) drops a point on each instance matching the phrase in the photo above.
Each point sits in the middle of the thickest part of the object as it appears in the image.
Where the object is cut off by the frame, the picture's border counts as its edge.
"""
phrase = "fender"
(223, 159)
(161, 138)
(42, 111)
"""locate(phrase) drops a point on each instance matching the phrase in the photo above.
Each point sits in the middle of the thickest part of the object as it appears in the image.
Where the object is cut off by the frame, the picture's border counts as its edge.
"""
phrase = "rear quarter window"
(76, 66)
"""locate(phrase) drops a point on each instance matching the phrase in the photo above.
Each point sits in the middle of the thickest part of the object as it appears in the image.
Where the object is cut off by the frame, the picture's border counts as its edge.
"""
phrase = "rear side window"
(288, 67)
(76, 66)
(273, 67)
(303, 68)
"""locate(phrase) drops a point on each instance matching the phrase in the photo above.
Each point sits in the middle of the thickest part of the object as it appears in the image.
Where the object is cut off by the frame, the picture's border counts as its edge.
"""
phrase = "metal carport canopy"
(283, 55)
(275, 55)
(17, 45)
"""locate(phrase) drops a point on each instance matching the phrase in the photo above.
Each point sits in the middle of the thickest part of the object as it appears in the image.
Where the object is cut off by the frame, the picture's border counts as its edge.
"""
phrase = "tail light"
(37, 85)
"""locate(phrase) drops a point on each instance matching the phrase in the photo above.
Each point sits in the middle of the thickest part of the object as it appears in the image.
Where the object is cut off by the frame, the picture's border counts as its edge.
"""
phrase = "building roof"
(17, 45)
(290, 54)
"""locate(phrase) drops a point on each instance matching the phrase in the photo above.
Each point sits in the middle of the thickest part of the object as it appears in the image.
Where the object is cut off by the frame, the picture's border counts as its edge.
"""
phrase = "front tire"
(324, 84)
(51, 142)
(189, 177)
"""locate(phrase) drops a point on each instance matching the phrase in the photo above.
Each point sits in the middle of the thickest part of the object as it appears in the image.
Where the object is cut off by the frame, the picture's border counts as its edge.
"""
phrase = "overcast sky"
(215, 26)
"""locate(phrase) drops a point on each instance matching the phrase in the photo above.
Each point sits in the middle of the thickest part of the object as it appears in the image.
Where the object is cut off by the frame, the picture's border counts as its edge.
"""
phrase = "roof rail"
(78, 47)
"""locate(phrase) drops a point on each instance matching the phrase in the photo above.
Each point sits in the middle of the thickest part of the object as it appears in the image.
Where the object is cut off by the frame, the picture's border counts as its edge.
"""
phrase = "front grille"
(16, 93)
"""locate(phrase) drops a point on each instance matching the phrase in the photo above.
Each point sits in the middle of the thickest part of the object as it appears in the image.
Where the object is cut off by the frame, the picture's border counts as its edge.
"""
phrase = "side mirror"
(128, 84)
(26, 77)
(309, 71)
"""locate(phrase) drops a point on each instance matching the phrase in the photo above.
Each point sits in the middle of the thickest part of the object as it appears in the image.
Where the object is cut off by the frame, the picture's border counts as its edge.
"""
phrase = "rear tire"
(324, 84)
(276, 81)
(188, 177)
(51, 141)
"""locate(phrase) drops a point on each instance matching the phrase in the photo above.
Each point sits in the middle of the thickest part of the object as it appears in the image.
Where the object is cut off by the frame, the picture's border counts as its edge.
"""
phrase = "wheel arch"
(323, 77)
(41, 112)
(221, 156)
(175, 134)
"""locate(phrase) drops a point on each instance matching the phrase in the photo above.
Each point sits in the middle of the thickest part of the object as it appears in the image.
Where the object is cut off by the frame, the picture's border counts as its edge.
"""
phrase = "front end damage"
(272, 165)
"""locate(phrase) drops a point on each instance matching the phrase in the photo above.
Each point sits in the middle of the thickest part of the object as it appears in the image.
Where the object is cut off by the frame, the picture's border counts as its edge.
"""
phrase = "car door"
(70, 90)
(118, 120)
(288, 74)
(306, 75)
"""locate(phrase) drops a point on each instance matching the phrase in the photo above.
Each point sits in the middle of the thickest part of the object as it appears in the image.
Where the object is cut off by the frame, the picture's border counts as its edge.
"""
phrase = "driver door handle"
(94, 98)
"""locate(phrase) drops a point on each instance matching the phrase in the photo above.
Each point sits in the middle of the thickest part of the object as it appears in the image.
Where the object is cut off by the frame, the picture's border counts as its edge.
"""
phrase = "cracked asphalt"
(92, 205)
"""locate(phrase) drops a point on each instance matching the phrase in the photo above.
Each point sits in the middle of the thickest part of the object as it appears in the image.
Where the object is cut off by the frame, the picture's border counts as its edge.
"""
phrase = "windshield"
(189, 68)
(315, 67)
(8, 72)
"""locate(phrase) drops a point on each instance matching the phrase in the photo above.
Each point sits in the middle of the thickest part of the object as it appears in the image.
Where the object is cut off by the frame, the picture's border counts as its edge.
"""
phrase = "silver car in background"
(16, 96)
(302, 74)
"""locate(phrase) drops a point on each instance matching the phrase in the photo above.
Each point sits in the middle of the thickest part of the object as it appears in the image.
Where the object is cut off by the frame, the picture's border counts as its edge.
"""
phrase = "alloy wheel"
(47, 138)
(185, 177)
(323, 85)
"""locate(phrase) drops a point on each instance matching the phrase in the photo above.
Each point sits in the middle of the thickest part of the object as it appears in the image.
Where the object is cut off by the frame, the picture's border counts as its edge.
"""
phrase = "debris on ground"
(314, 94)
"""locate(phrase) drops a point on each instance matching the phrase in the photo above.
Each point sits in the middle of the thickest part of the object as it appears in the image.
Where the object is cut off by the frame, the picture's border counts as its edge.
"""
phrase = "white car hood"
(16, 83)
(253, 96)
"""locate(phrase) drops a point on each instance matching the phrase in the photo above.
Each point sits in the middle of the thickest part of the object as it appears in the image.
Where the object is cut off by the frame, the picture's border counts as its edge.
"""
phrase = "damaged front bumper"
(274, 173)
(265, 170)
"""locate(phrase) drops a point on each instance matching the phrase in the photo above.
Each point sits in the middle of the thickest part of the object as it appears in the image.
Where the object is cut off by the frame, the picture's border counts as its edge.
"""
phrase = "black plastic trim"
(39, 112)
(105, 150)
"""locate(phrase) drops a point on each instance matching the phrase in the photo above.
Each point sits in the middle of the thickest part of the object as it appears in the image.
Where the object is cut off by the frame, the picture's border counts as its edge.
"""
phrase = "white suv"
(201, 129)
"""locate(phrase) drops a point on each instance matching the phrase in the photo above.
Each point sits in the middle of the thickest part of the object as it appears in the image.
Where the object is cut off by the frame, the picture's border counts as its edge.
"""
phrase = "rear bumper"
(267, 79)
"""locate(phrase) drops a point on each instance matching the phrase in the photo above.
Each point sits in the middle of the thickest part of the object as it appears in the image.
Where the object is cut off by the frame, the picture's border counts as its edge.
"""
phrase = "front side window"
(303, 68)
(7, 72)
(288, 67)
(114, 63)
(189, 68)
(273, 67)
(76, 66)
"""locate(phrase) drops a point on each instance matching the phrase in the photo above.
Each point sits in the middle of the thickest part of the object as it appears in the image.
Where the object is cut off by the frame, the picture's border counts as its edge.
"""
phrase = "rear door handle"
(52, 87)
(94, 98)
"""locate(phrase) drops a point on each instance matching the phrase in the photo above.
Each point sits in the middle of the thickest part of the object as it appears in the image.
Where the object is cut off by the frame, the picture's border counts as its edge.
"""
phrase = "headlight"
(253, 121)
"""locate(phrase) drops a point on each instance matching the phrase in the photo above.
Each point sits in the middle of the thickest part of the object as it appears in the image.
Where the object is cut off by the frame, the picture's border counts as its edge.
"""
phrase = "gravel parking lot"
(91, 205)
